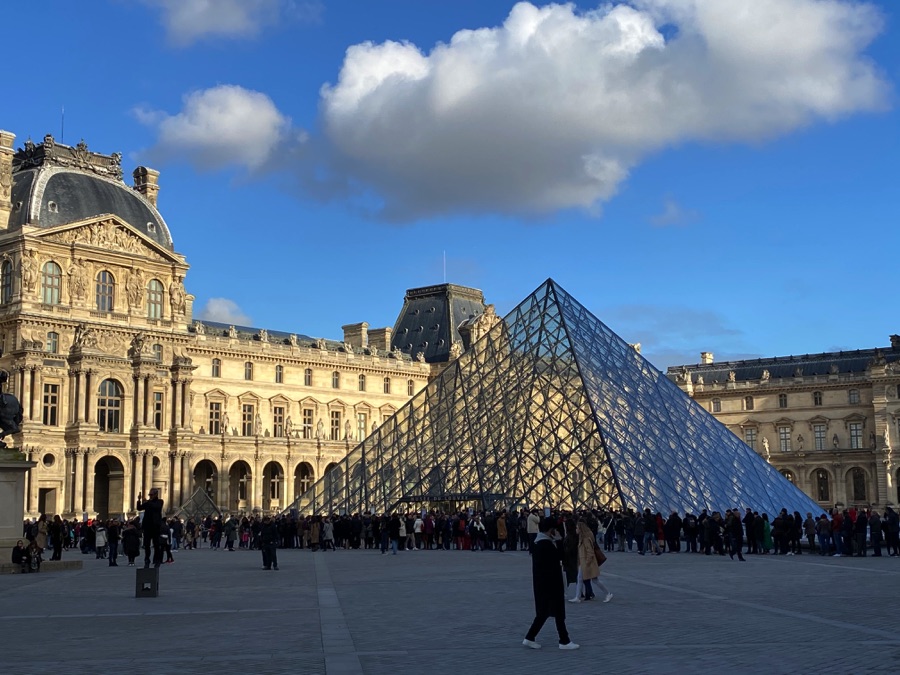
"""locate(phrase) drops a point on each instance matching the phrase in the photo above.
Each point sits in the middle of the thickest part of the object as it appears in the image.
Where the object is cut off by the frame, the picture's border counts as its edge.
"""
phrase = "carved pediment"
(111, 234)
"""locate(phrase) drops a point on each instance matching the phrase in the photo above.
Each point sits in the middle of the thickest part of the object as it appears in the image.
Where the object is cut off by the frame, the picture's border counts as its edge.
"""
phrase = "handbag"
(599, 555)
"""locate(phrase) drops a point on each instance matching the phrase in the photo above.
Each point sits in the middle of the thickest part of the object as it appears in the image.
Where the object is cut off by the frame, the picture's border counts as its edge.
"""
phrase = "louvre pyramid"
(551, 408)
(199, 506)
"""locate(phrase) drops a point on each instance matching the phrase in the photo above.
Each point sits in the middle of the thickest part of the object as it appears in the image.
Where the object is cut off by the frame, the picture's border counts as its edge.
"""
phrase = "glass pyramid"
(551, 408)
(198, 506)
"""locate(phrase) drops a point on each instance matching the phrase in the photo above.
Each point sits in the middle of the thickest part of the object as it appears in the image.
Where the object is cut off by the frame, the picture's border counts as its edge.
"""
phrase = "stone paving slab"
(350, 612)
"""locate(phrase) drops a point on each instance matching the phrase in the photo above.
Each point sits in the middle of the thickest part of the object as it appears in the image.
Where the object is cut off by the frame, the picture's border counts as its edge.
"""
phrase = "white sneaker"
(608, 597)
(531, 644)
(836, 555)
(574, 599)
(569, 645)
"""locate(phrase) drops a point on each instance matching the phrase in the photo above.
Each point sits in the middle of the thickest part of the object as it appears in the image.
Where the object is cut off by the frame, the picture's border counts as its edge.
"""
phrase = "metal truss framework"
(551, 408)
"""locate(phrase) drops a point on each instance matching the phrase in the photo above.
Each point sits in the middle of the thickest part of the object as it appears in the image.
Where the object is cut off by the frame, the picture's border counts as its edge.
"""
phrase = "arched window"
(109, 407)
(307, 377)
(248, 370)
(217, 367)
(782, 400)
(817, 398)
(154, 299)
(51, 283)
(387, 385)
(52, 342)
(6, 282)
(279, 374)
(106, 288)
(410, 387)
(823, 491)
(858, 484)
(716, 405)
(789, 475)
(362, 382)
(748, 403)
(157, 352)
(335, 380)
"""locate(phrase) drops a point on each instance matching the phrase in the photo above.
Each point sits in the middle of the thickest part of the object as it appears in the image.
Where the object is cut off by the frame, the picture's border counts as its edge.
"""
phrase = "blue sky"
(700, 177)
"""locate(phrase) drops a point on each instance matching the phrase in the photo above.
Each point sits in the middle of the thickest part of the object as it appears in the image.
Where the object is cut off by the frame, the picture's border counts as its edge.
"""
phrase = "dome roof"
(55, 184)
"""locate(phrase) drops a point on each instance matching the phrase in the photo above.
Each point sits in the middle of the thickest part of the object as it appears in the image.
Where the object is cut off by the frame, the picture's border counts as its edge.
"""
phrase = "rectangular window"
(307, 377)
(335, 425)
(361, 424)
(278, 421)
(819, 436)
(248, 413)
(215, 418)
(856, 435)
(750, 437)
(307, 423)
(782, 400)
(784, 438)
(158, 410)
(51, 405)
(52, 342)
(854, 396)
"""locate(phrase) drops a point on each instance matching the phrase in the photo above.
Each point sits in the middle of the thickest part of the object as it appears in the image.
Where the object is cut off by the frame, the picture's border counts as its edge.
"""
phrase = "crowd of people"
(844, 532)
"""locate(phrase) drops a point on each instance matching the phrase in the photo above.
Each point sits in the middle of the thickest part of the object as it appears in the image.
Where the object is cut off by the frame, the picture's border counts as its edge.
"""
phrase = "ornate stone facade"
(828, 421)
(124, 390)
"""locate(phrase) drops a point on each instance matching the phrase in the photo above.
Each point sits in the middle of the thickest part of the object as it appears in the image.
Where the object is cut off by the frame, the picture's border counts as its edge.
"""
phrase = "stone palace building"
(123, 389)
(828, 421)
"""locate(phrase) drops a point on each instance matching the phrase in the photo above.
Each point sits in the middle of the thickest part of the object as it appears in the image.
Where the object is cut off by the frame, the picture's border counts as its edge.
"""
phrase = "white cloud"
(674, 213)
(220, 127)
(224, 310)
(553, 109)
(187, 21)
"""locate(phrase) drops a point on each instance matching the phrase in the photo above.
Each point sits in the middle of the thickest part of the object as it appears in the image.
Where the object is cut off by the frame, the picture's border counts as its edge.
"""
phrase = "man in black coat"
(549, 586)
(151, 526)
(268, 537)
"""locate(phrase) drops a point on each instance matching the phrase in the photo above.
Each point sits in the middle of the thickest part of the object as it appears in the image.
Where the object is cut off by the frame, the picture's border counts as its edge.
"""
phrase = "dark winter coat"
(547, 578)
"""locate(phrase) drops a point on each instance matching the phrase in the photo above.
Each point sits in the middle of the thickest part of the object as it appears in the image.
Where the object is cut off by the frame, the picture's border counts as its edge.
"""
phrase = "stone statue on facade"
(798, 372)
(177, 296)
(347, 433)
(134, 288)
(765, 375)
(288, 426)
(263, 335)
(258, 424)
(28, 269)
(348, 348)
(85, 337)
(731, 376)
(456, 350)
(320, 344)
(77, 279)
(800, 442)
(420, 357)
(834, 370)
(766, 452)
(320, 430)
(199, 328)
(232, 332)
(226, 422)
(137, 344)
(293, 340)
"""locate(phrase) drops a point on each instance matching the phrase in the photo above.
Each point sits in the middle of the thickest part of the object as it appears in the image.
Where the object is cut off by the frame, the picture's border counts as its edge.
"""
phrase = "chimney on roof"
(146, 181)
(357, 334)
(895, 342)
(381, 338)
(706, 358)
(6, 180)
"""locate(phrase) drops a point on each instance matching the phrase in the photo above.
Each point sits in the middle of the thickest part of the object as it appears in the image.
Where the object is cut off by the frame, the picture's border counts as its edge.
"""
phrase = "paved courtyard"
(453, 612)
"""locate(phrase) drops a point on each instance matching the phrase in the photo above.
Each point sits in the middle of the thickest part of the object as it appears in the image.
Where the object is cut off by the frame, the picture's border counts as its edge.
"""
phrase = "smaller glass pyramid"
(551, 408)
(198, 506)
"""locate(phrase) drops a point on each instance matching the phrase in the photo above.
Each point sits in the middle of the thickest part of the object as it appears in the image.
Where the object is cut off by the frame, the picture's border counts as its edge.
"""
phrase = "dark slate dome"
(56, 184)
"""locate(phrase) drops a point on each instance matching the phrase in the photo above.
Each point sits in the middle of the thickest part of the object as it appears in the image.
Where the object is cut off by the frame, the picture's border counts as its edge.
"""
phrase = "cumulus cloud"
(220, 127)
(187, 21)
(674, 213)
(224, 310)
(554, 108)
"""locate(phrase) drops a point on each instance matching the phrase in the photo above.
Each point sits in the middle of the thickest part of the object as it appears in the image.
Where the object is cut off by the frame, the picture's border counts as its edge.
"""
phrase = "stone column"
(255, 500)
(127, 487)
(175, 484)
(89, 403)
(176, 390)
(187, 483)
(38, 376)
(90, 474)
(139, 417)
(145, 413)
(78, 479)
(287, 487)
(147, 457)
(223, 488)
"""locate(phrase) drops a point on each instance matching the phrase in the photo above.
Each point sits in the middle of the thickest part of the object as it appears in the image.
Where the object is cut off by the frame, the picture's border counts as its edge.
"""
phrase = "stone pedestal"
(12, 498)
